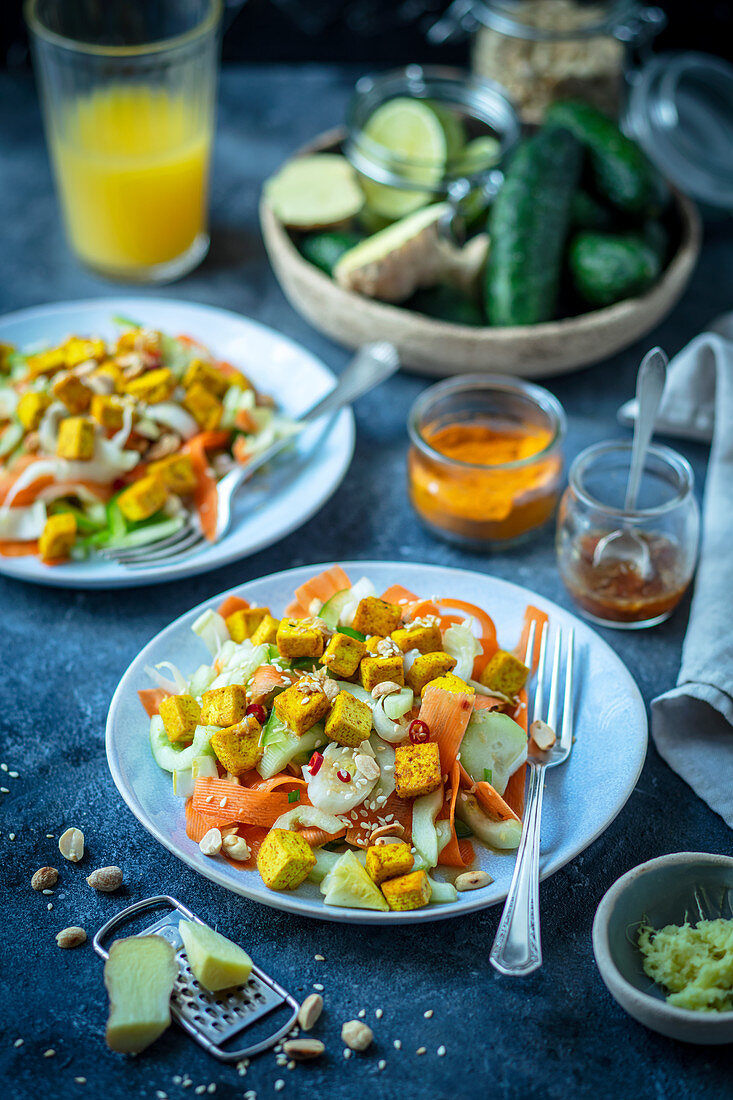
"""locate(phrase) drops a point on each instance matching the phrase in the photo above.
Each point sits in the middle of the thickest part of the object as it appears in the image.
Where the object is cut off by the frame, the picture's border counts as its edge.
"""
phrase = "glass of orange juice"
(128, 92)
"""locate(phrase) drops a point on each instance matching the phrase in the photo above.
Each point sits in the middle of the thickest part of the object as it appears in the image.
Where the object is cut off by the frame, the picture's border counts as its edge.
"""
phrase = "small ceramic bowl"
(692, 885)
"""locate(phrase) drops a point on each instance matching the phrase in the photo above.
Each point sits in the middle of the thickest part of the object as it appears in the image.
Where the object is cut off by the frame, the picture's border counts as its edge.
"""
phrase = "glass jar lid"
(680, 110)
(626, 20)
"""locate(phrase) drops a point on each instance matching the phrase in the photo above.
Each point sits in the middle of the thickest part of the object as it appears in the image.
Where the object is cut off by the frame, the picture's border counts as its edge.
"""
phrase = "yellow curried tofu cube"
(152, 387)
(417, 769)
(375, 670)
(301, 710)
(505, 673)
(449, 682)
(426, 667)
(342, 655)
(31, 409)
(72, 392)
(107, 410)
(427, 639)
(284, 860)
(108, 371)
(76, 439)
(408, 891)
(176, 472)
(238, 747)
(372, 642)
(142, 499)
(203, 407)
(350, 720)
(77, 350)
(207, 375)
(266, 632)
(224, 706)
(384, 861)
(243, 623)
(180, 714)
(375, 616)
(297, 638)
(46, 362)
(57, 537)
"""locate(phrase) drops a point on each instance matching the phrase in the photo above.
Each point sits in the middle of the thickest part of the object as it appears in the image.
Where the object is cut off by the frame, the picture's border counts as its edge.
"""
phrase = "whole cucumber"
(324, 250)
(528, 225)
(607, 268)
(621, 172)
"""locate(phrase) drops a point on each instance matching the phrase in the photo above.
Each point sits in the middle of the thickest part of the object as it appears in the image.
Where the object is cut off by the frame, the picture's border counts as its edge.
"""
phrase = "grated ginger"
(694, 963)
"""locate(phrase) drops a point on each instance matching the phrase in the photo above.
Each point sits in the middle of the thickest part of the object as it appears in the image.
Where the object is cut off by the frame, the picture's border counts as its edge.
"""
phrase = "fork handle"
(517, 947)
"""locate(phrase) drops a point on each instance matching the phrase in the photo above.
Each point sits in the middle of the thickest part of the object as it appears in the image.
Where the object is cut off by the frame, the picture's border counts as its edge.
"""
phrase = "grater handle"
(126, 914)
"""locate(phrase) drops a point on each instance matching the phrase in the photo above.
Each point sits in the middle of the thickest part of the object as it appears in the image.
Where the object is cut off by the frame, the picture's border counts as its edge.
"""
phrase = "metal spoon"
(626, 544)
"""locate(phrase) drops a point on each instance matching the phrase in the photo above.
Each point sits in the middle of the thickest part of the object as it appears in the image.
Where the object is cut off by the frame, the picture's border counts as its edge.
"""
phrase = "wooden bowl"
(439, 348)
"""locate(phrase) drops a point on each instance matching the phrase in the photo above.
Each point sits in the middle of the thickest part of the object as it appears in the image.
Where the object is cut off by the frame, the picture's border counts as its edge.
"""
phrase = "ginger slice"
(139, 976)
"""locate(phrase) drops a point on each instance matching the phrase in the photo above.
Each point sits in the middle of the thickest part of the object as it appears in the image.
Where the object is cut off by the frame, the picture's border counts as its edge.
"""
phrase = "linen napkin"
(692, 724)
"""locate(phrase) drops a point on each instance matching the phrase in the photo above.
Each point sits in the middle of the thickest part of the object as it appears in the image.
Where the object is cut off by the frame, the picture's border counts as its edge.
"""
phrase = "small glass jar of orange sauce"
(485, 466)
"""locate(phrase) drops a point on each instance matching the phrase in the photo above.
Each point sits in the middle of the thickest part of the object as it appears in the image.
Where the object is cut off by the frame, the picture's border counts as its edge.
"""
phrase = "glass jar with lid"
(544, 50)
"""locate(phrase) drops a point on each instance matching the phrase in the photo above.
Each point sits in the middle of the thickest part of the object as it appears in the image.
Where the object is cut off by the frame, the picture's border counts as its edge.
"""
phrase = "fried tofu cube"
(449, 682)
(297, 639)
(142, 499)
(46, 362)
(375, 616)
(110, 370)
(78, 350)
(57, 537)
(203, 406)
(417, 769)
(238, 747)
(350, 720)
(243, 623)
(76, 439)
(181, 715)
(201, 373)
(6, 351)
(284, 860)
(224, 706)
(300, 710)
(408, 891)
(375, 670)
(107, 410)
(372, 643)
(427, 639)
(72, 392)
(384, 861)
(153, 386)
(342, 655)
(505, 673)
(426, 667)
(266, 632)
(31, 409)
(176, 472)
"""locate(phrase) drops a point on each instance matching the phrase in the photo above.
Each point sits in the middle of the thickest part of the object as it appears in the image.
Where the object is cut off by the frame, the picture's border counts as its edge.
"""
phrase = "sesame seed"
(291, 1065)
(441, 1052)
(52, 836)
(223, 802)
(347, 1052)
(209, 798)
(212, 1087)
(11, 836)
(281, 1060)
(177, 1079)
(319, 958)
(381, 1064)
(428, 1014)
(398, 1044)
(200, 1090)
(4, 790)
(279, 1084)
(4, 767)
(18, 1042)
(161, 1095)
(186, 1083)
(318, 987)
(13, 775)
(80, 1080)
(378, 1013)
(47, 891)
(421, 1050)
(49, 1053)
(49, 906)
(361, 1013)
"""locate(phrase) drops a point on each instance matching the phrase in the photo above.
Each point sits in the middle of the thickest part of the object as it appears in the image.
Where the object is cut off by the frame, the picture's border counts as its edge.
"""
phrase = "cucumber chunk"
(607, 268)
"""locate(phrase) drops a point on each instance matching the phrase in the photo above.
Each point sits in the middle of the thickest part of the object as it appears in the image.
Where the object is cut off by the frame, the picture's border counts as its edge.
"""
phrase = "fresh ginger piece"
(139, 976)
(316, 192)
(217, 963)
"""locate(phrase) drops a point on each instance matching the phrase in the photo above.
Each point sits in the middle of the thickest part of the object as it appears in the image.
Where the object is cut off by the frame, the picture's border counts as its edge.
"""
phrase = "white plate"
(582, 797)
(275, 503)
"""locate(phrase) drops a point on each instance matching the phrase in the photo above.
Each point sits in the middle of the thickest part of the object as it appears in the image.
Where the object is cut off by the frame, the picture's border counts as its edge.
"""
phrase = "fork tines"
(565, 734)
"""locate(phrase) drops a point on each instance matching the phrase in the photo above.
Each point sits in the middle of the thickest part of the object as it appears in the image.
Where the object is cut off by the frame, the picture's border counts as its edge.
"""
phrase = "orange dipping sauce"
(482, 482)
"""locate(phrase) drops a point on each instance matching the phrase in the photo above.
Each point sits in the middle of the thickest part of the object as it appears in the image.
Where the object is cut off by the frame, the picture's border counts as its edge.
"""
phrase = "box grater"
(212, 1019)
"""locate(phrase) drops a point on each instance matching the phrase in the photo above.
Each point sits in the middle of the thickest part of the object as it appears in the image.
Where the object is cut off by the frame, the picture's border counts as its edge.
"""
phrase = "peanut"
(302, 1050)
(71, 844)
(45, 878)
(71, 937)
(210, 843)
(310, 1011)
(236, 847)
(356, 1035)
(367, 765)
(473, 880)
(105, 879)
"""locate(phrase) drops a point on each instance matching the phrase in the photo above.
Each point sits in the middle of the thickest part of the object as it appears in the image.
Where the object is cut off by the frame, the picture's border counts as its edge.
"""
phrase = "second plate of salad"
(349, 741)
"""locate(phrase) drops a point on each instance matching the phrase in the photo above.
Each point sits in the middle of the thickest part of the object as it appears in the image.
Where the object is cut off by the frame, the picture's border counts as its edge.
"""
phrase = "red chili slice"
(314, 765)
(344, 776)
(257, 711)
(418, 732)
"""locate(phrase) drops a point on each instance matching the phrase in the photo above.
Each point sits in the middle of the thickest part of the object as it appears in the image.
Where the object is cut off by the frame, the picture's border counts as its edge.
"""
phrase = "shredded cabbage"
(309, 816)
(241, 665)
(460, 642)
(212, 630)
(359, 591)
(23, 523)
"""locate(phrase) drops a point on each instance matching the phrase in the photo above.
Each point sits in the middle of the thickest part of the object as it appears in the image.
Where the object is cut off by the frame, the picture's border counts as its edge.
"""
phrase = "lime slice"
(315, 192)
(454, 129)
(412, 133)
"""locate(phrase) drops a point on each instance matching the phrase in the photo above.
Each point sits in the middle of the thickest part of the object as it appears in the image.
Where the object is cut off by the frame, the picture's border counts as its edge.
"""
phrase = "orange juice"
(132, 166)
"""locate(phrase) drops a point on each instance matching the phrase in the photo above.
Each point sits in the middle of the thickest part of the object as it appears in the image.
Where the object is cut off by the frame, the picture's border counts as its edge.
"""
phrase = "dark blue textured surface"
(556, 1034)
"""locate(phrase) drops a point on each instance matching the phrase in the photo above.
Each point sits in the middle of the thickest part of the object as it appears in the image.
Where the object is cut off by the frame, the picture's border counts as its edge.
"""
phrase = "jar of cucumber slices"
(425, 133)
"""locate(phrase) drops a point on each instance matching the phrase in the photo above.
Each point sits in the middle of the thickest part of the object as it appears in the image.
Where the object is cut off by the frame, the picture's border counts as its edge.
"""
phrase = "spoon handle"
(649, 388)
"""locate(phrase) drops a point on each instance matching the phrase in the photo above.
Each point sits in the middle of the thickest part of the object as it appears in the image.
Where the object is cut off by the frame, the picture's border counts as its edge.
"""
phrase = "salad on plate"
(364, 741)
(113, 445)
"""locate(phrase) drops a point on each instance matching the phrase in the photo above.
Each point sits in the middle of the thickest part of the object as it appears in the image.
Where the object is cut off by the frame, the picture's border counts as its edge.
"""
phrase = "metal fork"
(517, 947)
(371, 365)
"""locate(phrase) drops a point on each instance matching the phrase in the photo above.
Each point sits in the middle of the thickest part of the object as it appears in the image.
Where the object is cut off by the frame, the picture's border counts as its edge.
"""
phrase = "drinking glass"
(128, 92)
